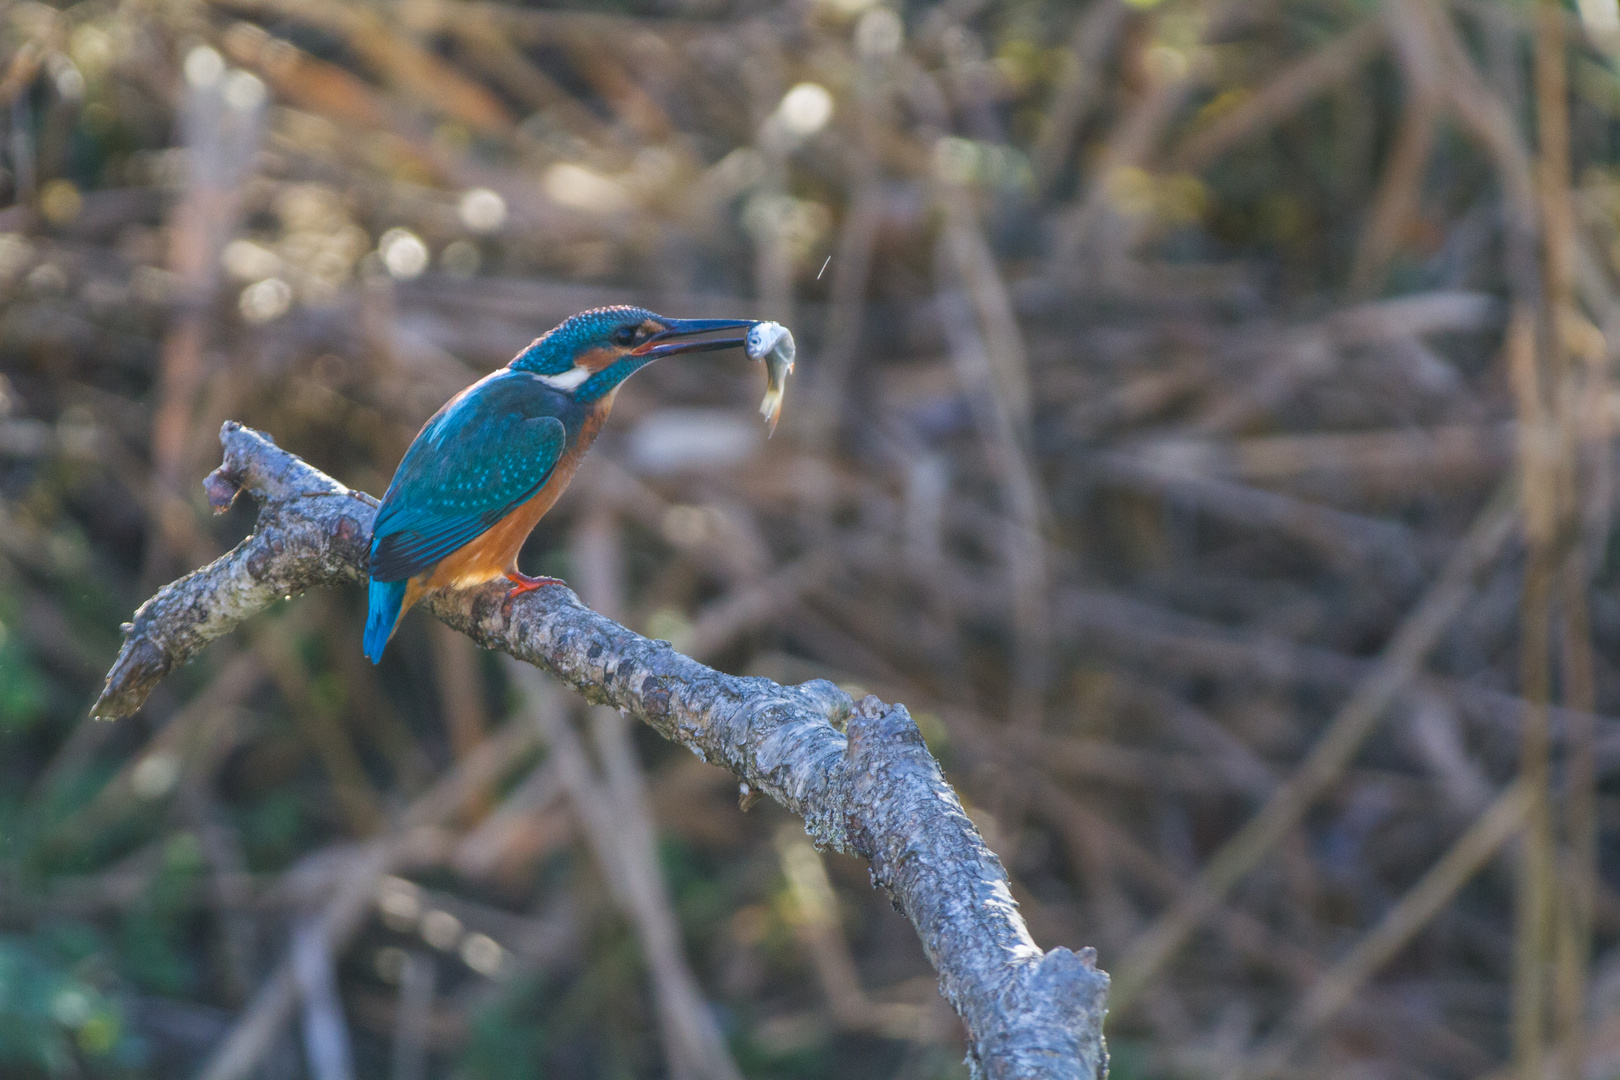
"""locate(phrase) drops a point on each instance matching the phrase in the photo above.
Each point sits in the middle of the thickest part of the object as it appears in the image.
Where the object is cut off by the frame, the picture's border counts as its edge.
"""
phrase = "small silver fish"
(772, 344)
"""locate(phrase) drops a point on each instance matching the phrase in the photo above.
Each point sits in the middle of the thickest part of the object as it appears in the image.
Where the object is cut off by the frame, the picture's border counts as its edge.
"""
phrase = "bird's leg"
(522, 583)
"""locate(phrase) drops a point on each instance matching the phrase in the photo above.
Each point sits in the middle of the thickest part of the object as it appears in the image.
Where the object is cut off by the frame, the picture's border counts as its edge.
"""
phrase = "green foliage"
(272, 828)
(56, 1018)
(1127, 1060)
(22, 689)
(153, 943)
(507, 1040)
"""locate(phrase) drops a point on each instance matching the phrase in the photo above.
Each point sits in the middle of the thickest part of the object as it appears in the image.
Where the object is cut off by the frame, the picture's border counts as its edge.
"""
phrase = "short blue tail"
(386, 599)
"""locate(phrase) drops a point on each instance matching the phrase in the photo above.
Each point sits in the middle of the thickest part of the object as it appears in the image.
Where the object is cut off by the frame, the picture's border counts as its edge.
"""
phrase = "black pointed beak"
(665, 344)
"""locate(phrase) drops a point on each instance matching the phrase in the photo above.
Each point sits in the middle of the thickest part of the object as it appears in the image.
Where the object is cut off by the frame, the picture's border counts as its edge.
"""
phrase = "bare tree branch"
(871, 789)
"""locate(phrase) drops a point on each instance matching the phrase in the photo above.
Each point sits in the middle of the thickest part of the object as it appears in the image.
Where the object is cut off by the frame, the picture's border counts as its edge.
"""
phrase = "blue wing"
(481, 456)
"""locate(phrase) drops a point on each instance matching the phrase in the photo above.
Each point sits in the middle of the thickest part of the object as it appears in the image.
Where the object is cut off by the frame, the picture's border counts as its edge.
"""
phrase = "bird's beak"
(662, 345)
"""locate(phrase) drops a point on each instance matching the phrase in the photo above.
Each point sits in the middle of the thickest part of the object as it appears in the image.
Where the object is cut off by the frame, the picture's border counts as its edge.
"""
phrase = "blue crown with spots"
(553, 353)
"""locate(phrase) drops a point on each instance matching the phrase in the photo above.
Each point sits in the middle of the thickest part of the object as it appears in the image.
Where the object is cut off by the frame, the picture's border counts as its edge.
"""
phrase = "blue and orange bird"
(488, 465)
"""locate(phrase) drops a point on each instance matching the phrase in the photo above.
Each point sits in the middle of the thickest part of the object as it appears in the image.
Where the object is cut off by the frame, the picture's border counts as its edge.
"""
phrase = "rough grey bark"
(871, 789)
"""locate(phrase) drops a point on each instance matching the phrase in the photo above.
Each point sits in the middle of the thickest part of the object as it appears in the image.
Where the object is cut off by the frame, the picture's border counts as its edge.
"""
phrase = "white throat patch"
(568, 380)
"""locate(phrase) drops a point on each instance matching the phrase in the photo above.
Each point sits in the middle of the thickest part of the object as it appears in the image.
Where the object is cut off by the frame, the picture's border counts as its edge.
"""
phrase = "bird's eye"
(624, 335)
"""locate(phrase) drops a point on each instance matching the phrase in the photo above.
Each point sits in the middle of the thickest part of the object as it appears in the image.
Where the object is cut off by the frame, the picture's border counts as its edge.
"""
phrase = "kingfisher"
(487, 466)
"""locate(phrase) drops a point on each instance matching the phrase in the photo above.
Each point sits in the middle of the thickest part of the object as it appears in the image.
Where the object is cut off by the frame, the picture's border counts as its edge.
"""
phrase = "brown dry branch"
(988, 353)
(1133, 143)
(324, 729)
(1080, 83)
(1347, 730)
(326, 1032)
(222, 117)
(227, 883)
(1396, 203)
(1288, 91)
(1571, 914)
(871, 789)
(485, 848)
(1263, 946)
(416, 980)
(341, 917)
(1180, 643)
(613, 810)
(818, 927)
(194, 734)
(1338, 987)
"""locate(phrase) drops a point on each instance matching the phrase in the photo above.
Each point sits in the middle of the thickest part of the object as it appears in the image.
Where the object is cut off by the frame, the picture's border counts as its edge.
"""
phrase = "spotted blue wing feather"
(480, 457)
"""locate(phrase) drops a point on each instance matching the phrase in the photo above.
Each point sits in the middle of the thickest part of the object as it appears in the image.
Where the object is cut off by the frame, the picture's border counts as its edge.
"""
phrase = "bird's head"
(588, 355)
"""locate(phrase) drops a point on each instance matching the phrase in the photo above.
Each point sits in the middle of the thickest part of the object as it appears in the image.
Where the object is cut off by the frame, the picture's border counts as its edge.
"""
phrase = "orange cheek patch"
(595, 359)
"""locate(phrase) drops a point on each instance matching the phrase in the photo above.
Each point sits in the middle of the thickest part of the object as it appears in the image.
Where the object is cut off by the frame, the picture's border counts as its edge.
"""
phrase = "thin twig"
(326, 1034)
(256, 1031)
(1338, 742)
(416, 979)
(1288, 91)
(1338, 986)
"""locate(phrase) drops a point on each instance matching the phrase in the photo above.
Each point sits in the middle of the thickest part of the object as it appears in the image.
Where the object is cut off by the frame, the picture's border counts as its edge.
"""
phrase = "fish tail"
(771, 410)
(387, 598)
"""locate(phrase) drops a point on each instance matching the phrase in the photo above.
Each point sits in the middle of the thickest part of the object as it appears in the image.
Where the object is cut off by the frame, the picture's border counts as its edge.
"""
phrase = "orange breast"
(494, 552)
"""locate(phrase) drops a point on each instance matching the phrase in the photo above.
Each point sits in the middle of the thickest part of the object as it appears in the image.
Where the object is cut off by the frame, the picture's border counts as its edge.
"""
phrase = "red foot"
(522, 583)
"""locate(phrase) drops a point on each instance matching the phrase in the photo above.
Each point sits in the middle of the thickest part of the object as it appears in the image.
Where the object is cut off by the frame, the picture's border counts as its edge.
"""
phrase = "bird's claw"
(523, 583)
